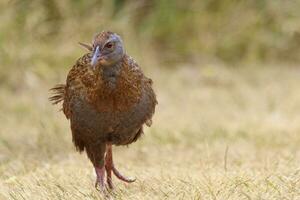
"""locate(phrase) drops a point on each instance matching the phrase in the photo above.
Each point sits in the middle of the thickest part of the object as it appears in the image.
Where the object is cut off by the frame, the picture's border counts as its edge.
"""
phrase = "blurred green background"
(227, 83)
(42, 35)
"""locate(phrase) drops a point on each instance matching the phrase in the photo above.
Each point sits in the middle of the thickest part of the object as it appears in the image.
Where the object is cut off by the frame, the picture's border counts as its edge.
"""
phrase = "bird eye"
(109, 45)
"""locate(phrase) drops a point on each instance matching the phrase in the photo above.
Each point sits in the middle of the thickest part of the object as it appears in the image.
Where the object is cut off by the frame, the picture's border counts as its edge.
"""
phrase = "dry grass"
(218, 133)
(201, 113)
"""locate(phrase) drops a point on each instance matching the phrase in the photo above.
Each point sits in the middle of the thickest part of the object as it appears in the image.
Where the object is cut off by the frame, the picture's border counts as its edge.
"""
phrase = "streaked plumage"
(107, 103)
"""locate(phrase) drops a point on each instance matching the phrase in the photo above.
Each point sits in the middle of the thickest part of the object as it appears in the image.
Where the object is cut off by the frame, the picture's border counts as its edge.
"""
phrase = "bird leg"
(100, 172)
(109, 166)
(108, 163)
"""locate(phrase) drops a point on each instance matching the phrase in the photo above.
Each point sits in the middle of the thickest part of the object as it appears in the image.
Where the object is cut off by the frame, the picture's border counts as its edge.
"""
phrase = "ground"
(218, 133)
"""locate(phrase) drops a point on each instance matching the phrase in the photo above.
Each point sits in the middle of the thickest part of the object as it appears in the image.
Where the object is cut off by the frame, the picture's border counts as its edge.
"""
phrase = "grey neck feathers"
(110, 74)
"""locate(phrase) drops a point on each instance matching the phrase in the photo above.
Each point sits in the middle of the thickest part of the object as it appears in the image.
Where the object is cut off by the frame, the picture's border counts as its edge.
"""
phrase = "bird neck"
(110, 74)
(118, 87)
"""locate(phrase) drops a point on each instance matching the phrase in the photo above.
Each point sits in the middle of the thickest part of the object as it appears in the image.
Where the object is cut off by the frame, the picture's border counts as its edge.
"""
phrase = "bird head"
(107, 49)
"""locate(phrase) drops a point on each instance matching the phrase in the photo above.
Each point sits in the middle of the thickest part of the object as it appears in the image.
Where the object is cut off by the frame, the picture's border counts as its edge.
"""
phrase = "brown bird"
(107, 99)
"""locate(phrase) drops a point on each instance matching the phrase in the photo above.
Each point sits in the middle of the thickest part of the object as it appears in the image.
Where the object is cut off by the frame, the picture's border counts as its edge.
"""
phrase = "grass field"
(218, 133)
(224, 128)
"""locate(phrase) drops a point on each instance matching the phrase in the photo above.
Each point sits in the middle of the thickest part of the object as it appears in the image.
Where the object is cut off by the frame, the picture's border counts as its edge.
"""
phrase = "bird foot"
(109, 166)
(99, 184)
(121, 177)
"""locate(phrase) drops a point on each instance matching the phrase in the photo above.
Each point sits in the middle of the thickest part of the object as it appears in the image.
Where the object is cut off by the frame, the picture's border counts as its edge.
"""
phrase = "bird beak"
(96, 56)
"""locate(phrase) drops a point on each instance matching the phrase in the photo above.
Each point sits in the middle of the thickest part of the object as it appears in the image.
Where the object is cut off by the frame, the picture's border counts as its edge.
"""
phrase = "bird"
(108, 100)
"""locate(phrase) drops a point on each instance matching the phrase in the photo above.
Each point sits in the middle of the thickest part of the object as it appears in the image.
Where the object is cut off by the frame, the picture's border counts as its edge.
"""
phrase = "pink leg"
(109, 165)
(100, 172)
(121, 177)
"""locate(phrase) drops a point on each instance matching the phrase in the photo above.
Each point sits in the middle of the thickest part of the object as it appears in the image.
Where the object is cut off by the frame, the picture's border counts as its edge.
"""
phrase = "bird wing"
(63, 92)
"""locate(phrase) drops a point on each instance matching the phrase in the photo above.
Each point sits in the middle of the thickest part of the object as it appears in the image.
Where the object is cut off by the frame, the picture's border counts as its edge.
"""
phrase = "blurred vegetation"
(39, 35)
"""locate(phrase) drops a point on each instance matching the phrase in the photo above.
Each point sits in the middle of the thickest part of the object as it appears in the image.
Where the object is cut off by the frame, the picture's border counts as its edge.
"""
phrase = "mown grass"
(218, 133)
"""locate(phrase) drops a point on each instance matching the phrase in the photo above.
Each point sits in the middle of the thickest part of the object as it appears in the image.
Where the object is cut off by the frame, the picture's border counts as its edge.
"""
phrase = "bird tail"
(58, 93)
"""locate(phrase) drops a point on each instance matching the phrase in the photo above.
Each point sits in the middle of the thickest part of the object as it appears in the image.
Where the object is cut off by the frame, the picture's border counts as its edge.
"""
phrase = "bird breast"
(115, 126)
(110, 104)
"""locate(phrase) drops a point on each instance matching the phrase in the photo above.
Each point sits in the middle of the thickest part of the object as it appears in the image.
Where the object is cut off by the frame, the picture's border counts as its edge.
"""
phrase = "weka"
(108, 99)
